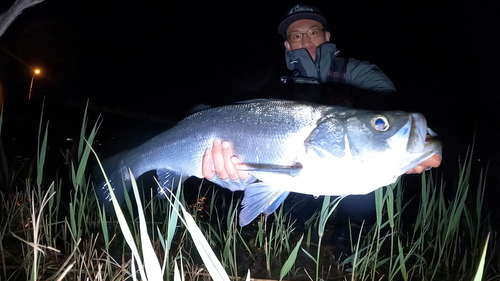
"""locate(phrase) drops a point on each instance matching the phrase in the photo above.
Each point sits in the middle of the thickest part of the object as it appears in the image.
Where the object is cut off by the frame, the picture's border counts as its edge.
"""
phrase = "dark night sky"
(158, 59)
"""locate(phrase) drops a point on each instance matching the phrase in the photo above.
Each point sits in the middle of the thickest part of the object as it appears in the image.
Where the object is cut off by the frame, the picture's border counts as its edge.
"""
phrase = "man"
(309, 53)
(313, 59)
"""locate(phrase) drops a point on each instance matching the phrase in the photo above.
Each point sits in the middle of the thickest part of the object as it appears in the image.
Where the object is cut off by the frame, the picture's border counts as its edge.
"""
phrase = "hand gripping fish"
(289, 146)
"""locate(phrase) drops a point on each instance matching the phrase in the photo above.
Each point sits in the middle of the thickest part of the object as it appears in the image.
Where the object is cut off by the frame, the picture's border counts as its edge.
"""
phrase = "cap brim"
(299, 16)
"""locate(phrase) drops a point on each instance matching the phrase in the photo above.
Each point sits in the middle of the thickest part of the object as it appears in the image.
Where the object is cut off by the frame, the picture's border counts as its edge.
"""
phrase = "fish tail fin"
(260, 198)
(118, 177)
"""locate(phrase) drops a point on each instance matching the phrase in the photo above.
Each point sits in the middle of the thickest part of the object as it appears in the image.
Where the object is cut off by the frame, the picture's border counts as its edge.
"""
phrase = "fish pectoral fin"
(168, 181)
(260, 198)
(291, 170)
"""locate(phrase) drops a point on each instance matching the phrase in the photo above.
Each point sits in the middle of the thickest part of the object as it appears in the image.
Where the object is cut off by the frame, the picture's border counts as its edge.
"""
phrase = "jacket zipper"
(316, 62)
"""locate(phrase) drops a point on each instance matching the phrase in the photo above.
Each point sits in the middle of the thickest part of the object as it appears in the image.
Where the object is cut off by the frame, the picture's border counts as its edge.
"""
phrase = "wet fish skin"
(290, 146)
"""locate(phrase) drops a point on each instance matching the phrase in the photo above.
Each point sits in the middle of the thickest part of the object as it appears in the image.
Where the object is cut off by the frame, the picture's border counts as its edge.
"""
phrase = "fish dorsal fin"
(168, 181)
(198, 108)
(257, 100)
(291, 170)
(260, 198)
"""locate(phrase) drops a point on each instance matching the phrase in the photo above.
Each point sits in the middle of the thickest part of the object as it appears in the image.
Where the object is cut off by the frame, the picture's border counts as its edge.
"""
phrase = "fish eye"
(380, 123)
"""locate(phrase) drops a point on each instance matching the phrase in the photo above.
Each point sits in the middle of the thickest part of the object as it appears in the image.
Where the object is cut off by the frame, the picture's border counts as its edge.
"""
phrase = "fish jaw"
(418, 132)
(421, 145)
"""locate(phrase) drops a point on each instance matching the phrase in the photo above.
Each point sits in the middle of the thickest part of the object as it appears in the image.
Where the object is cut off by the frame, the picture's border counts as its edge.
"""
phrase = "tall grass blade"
(326, 211)
(173, 219)
(209, 258)
(84, 156)
(81, 140)
(309, 255)
(177, 274)
(213, 265)
(480, 269)
(41, 154)
(127, 234)
(153, 268)
(356, 255)
(291, 260)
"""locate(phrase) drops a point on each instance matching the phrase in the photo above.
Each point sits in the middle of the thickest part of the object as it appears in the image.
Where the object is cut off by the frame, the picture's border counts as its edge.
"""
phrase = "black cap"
(300, 12)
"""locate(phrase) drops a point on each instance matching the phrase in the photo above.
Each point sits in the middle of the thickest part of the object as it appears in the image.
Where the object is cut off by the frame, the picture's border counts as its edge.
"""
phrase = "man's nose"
(306, 41)
(309, 46)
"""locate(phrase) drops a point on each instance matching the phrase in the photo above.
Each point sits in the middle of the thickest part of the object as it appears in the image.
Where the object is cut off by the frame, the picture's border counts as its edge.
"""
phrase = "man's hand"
(433, 162)
(221, 161)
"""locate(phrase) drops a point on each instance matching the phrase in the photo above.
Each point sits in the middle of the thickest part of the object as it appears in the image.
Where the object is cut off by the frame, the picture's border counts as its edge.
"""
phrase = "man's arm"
(365, 75)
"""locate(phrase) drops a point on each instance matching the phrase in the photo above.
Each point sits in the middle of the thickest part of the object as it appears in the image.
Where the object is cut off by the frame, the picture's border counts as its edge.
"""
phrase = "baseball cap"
(299, 12)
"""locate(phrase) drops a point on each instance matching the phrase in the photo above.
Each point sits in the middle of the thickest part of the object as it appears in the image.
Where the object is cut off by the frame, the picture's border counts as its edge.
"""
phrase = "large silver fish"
(289, 146)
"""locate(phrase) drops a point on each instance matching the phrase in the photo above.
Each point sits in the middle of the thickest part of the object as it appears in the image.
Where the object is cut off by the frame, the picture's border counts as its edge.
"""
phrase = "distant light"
(36, 72)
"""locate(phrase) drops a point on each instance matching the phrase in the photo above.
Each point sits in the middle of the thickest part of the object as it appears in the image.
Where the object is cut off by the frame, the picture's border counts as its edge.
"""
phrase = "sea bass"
(289, 146)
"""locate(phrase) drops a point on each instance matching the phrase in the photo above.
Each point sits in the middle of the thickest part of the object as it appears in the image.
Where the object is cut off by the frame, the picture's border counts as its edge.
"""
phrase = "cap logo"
(299, 8)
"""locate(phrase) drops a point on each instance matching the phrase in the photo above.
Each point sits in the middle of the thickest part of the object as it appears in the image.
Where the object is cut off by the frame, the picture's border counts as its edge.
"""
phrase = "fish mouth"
(418, 132)
(422, 140)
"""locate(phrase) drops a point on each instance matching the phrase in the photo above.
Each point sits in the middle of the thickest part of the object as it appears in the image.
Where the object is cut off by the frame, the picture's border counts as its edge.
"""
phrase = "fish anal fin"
(168, 181)
(260, 198)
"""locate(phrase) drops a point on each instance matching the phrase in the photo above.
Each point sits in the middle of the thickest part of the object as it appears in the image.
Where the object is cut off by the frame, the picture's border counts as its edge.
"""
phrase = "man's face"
(304, 28)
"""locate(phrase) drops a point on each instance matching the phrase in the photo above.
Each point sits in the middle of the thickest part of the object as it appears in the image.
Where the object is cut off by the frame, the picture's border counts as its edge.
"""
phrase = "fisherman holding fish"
(313, 59)
(319, 75)
(289, 146)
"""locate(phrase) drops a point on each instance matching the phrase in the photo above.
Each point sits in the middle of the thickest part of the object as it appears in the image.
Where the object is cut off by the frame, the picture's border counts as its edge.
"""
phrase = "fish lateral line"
(292, 170)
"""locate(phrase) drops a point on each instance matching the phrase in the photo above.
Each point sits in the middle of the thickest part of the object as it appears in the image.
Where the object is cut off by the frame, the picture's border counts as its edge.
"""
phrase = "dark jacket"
(362, 85)
(360, 74)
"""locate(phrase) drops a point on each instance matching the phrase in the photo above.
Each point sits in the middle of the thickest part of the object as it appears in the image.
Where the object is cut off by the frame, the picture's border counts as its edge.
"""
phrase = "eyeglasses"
(313, 33)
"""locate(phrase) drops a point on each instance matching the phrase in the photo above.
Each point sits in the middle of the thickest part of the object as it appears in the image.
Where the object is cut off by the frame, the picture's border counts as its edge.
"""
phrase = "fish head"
(379, 146)
(396, 139)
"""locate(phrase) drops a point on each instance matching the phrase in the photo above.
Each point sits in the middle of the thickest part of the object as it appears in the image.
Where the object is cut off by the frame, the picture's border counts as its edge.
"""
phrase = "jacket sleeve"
(365, 75)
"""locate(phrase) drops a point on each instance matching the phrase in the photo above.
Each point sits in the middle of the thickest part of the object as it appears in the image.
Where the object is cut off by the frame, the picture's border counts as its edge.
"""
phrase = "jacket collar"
(302, 61)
